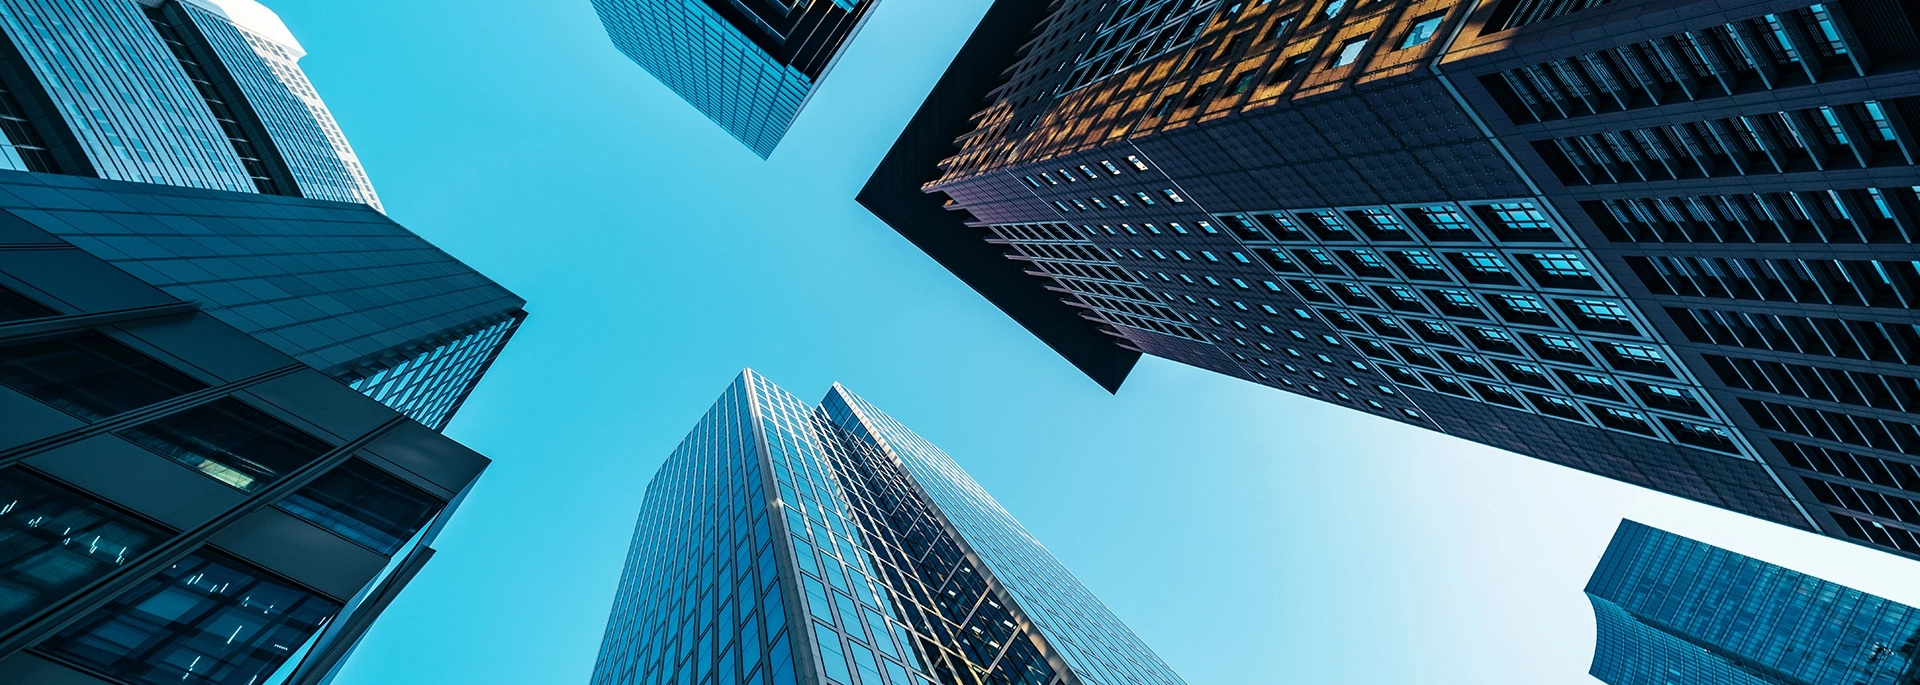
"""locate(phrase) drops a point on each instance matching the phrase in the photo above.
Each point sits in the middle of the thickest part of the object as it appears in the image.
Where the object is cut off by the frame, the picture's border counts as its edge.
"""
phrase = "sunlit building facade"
(1671, 611)
(1667, 243)
(784, 542)
(747, 65)
(197, 93)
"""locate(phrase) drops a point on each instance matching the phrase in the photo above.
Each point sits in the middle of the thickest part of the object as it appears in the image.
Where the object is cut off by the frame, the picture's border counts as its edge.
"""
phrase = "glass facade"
(131, 108)
(771, 495)
(1673, 610)
(338, 286)
(749, 71)
(430, 385)
(207, 619)
(267, 72)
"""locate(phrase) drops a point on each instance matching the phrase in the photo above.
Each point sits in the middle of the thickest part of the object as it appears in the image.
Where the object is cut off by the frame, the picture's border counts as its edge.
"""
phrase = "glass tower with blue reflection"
(787, 543)
(1672, 611)
(748, 65)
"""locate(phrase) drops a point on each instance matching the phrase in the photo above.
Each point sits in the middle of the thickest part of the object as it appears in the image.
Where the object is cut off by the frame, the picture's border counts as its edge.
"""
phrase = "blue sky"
(1248, 535)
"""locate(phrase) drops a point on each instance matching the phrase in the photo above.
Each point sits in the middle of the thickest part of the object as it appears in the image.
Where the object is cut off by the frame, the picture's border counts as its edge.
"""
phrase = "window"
(1166, 106)
(1108, 165)
(1332, 9)
(1032, 182)
(1241, 84)
(231, 442)
(1173, 197)
(90, 375)
(1135, 161)
(1068, 175)
(1088, 171)
(1198, 96)
(208, 618)
(1349, 52)
(1144, 199)
(1281, 27)
(364, 504)
(1287, 70)
(54, 541)
(1120, 201)
(15, 307)
(1422, 32)
(1049, 178)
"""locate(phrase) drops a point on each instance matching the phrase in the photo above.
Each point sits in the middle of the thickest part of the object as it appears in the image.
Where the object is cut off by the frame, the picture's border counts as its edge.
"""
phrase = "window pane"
(364, 504)
(231, 442)
(90, 375)
(53, 541)
(207, 619)
(14, 307)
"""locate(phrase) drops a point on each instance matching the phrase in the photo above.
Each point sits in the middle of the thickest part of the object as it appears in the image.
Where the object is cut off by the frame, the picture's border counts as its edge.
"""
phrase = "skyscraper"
(749, 65)
(1669, 243)
(223, 372)
(197, 93)
(1673, 611)
(787, 543)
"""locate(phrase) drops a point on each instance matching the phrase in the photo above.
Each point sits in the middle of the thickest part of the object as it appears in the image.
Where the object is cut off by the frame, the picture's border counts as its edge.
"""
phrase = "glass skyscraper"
(787, 543)
(1674, 611)
(749, 65)
(197, 93)
(1671, 244)
(223, 371)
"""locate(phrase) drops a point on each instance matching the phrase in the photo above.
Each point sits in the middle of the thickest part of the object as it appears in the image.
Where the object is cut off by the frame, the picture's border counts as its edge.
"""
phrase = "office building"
(1669, 610)
(197, 93)
(223, 371)
(749, 65)
(786, 543)
(1669, 243)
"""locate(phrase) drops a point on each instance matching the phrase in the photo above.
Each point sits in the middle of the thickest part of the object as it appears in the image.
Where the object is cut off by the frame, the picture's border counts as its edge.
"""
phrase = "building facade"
(1669, 243)
(788, 543)
(223, 372)
(197, 93)
(219, 414)
(1669, 610)
(749, 65)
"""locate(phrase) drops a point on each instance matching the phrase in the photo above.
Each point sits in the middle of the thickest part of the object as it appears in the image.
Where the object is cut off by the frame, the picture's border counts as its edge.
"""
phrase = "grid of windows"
(208, 618)
(278, 93)
(1092, 641)
(701, 595)
(714, 65)
(429, 386)
(1512, 316)
(1091, 278)
(131, 107)
(1665, 603)
(889, 588)
(338, 286)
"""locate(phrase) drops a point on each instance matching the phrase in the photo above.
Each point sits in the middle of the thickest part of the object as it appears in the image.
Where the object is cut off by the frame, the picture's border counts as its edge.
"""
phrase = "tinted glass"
(14, 306)
(208, 619)
(362, 503)
(231, 442)
(53, 541)
(90, 375)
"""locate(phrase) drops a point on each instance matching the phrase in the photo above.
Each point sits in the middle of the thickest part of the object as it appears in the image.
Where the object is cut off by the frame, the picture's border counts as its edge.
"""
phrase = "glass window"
(831, 654)
(207, 619)
(90, 375)
(1110, 167)
(364, 504)
(230, 442)
(1422, 32)
(54, 541)
(1135, 161)
(15, 306)
(1350, 52)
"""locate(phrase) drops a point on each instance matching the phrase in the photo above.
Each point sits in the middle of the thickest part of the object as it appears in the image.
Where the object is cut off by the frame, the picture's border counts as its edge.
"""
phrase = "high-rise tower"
(1670, 243)
(1673, 610)
(198, 93)
(223, 372)
(786, 543)
(749, 65)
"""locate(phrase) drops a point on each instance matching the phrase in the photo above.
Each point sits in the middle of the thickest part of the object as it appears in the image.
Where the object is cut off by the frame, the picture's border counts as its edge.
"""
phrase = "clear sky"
(1250, 536)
